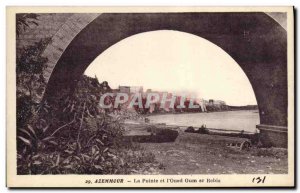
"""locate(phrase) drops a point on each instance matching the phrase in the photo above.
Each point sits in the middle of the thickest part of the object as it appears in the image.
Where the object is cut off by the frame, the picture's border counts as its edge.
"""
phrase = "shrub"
(70, 133)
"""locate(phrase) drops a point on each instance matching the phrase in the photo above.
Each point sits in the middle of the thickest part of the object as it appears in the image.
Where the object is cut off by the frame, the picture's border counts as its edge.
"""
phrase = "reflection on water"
(232, 120)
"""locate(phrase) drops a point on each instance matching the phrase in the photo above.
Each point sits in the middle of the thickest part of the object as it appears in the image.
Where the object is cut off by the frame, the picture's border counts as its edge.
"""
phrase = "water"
(232, 120)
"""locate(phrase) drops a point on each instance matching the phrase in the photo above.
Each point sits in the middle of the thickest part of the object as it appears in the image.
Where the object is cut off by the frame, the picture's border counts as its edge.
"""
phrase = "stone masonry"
(61, 28)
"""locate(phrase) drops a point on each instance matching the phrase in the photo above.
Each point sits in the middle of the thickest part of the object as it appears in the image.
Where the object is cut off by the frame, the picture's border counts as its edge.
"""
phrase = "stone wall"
(61, 27)
(48, 25)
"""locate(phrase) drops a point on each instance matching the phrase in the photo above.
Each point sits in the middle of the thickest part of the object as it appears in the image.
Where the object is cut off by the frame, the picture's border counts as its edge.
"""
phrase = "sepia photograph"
(150, 97)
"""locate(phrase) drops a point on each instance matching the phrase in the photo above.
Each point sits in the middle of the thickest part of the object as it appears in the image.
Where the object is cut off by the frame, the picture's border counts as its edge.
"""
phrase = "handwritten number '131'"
(259, 180)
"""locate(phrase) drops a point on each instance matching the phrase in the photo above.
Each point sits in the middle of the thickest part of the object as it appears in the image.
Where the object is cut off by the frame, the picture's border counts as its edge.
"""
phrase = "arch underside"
(254, 40)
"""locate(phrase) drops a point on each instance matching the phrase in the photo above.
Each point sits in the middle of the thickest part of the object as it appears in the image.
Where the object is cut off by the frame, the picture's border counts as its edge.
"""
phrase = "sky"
(176, 62)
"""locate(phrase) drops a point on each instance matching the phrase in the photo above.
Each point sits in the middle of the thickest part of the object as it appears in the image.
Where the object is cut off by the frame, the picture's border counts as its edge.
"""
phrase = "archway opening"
(255, 41)
(178, 63)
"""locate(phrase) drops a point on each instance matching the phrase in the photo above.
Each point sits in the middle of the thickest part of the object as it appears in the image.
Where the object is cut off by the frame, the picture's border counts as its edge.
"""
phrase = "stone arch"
(62, 38)
(256, 41)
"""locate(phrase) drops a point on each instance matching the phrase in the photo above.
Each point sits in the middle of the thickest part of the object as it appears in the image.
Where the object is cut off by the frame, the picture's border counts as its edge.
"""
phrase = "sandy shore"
(193, 153)
(205, 154)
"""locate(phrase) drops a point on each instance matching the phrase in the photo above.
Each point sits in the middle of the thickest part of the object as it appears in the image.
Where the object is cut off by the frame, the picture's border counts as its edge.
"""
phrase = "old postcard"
(150, 97)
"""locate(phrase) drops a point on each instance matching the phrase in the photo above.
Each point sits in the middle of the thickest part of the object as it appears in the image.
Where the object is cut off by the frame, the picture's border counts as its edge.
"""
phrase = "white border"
(3, 5)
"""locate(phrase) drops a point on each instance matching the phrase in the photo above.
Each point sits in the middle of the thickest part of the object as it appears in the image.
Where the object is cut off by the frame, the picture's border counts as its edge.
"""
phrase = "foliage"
(30, 80)
(73, 135)
(69, 134)
(24, 20)
(30, 59)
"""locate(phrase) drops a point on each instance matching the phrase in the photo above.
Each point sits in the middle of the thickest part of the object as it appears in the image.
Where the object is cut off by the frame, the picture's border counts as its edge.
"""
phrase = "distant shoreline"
(178, 113)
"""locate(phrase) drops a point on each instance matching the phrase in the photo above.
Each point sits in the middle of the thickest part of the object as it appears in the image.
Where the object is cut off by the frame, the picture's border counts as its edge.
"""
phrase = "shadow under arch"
(254, 40)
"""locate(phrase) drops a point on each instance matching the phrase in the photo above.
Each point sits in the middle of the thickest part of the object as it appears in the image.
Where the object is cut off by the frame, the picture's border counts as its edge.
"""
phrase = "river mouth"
(228, 120)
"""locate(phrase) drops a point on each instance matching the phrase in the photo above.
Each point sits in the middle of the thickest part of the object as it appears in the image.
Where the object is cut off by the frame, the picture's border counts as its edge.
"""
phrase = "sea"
(228, 120)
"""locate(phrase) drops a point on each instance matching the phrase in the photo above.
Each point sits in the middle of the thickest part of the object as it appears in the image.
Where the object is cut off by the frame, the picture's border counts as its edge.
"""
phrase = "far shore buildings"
(136, 89)
(216, 105)
(124, 89)
(204, 105)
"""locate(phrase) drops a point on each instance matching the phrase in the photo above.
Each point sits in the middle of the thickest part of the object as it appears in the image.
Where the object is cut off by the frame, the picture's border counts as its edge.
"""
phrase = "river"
(232, 120)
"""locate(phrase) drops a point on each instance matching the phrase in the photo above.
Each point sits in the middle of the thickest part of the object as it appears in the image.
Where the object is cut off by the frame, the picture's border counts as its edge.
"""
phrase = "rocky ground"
(208, 154)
